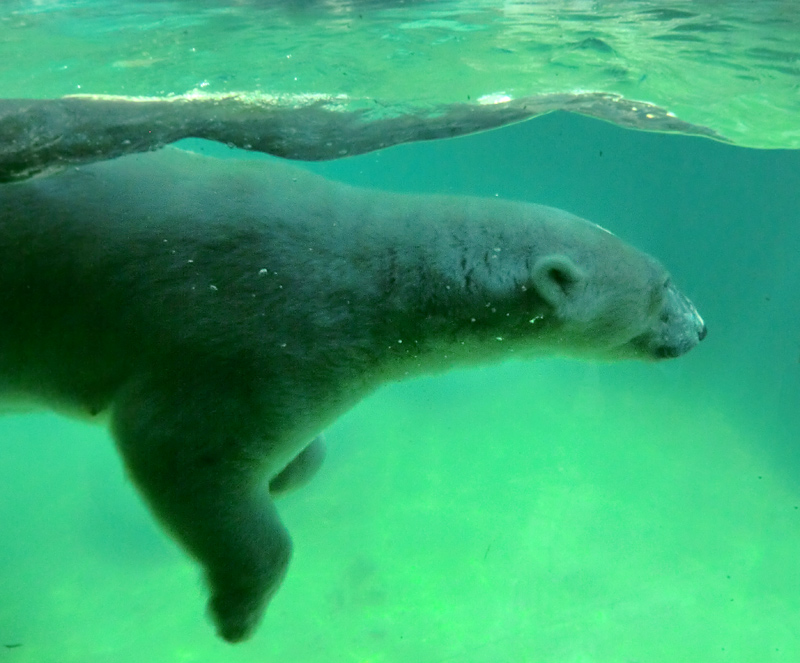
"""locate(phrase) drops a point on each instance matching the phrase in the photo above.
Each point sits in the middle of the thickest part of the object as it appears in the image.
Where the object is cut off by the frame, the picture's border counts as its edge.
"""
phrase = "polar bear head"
(536, 280)
(608, 299)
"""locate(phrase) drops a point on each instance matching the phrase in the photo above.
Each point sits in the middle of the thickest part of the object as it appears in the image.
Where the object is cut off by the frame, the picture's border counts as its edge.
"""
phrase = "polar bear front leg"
(186, 449)
(300, 470)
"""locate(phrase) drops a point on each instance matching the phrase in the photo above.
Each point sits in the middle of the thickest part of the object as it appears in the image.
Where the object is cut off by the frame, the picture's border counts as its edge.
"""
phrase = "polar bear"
(224, 312)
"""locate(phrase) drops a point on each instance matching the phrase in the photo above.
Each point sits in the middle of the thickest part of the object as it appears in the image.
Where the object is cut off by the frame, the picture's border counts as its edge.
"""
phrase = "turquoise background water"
(542, 512)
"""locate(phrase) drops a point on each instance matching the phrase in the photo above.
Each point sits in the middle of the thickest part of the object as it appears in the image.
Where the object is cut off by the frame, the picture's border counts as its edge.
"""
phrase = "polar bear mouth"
(672, 351)
(685, 343)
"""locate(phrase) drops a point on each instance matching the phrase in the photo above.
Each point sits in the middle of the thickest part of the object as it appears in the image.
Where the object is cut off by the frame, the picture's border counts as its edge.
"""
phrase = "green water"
(545, 512)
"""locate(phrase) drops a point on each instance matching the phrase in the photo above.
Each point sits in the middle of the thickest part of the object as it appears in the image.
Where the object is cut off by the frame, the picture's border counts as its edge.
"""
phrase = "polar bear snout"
(680, 326)
(676, 328)
(681, 306)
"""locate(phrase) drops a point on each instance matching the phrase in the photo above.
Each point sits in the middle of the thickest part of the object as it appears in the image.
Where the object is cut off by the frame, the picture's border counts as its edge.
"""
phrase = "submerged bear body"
(222, 313)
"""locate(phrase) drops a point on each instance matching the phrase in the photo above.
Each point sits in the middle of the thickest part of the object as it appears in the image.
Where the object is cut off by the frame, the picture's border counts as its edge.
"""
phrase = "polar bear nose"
(681, 327)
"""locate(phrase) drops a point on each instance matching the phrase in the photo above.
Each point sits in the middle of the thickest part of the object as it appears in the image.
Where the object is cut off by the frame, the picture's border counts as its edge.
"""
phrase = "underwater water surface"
(545, 511)
(732, 66)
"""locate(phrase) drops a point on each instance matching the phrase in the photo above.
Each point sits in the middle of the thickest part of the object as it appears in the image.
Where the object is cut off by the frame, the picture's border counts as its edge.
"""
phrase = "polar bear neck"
(448, 285)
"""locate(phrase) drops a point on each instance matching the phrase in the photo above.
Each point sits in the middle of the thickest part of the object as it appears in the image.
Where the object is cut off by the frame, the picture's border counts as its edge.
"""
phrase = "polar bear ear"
(555, 278)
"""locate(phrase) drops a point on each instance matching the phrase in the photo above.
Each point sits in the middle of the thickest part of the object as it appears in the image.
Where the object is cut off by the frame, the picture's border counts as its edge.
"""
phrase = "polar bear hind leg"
(177, 447)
